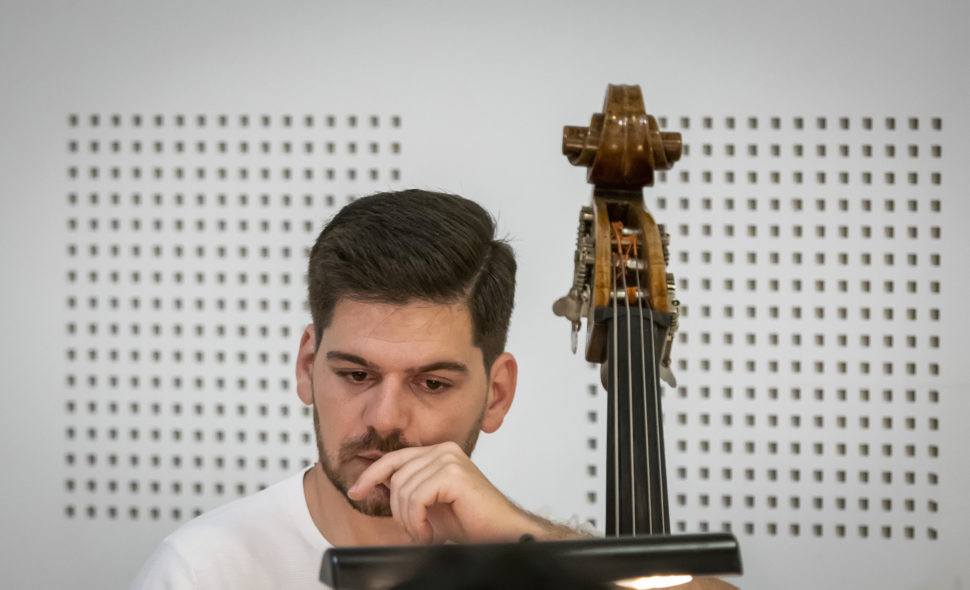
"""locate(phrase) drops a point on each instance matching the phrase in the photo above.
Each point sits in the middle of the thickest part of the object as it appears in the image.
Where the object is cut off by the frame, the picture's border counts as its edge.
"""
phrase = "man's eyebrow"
(443, 366)
(336, 355)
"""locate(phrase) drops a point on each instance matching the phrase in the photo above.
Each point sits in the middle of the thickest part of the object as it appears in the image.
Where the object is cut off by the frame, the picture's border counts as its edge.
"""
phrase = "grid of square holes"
(185, 253)
(806, 251)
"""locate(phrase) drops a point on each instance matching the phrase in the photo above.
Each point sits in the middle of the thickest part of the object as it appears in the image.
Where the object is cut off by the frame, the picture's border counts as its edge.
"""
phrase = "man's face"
(390, 376)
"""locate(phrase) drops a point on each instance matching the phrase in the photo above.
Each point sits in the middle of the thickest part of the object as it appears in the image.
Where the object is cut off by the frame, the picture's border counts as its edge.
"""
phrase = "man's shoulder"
(258, 540)
(279, 506)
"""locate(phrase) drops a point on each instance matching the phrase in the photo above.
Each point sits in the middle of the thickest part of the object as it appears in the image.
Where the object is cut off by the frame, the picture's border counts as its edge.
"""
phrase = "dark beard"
(378, 503)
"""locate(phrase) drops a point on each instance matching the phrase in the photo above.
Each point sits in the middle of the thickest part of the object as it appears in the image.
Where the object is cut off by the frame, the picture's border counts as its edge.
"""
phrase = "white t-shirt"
(263, 541)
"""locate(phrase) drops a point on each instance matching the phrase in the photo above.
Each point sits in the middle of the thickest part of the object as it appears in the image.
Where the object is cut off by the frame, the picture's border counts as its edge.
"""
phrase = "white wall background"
(150, 314)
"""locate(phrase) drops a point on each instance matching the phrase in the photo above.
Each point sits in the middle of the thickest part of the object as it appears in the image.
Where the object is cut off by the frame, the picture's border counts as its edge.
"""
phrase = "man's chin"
(377, 503)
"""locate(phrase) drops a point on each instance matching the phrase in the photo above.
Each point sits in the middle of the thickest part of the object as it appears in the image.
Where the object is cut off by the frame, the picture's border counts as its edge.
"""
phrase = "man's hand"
(437, 494)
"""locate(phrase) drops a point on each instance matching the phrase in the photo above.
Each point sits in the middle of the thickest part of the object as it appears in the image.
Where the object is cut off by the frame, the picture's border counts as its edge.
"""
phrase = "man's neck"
(339, 522)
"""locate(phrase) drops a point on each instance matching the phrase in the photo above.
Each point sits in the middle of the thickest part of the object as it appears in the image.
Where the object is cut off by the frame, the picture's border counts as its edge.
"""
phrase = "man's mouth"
(370, 455)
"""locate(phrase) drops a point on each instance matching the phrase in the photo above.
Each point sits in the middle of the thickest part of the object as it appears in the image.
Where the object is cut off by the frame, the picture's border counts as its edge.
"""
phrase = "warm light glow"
(653, 582)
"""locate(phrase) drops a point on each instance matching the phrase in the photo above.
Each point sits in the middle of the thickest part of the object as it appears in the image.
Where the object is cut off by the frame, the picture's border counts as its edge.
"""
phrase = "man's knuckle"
(451, 448)
(396, 480)
(452, 469)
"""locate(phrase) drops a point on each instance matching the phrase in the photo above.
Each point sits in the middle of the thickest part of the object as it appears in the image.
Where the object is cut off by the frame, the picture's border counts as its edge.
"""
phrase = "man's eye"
(435, 385)
(354, 376)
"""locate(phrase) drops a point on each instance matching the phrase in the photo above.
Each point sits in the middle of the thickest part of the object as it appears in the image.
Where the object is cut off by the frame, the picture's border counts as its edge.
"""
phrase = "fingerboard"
(636, 489)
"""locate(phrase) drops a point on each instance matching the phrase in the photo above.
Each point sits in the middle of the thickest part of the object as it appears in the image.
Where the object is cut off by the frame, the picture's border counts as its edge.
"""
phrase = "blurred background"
(165, 166)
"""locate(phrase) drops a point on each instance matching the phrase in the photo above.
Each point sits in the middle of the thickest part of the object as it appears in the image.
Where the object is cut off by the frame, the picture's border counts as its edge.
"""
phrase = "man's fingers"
(412, 493)
(422, 482)
(380, 471)
(424, 501)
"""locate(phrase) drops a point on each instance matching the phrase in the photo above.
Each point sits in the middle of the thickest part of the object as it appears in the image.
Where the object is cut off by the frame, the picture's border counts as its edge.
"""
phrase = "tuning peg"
(570, 307)
(667, 376)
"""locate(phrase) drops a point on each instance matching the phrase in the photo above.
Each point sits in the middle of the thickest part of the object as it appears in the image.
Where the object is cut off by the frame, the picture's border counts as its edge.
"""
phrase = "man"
(404, 364)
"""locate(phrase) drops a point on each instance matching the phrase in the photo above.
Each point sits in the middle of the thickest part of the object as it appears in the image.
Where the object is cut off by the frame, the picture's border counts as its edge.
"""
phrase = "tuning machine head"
(575, 304)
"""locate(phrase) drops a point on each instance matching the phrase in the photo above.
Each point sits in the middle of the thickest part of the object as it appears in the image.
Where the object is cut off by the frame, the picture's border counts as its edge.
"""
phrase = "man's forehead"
(401, 337)
(415, 320)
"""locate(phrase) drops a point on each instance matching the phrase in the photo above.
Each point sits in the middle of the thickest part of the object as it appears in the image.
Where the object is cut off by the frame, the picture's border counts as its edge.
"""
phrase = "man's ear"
(304, 365)
(501, 391)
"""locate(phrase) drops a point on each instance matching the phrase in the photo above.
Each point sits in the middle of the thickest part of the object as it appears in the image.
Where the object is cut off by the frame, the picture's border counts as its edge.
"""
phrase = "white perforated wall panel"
(166, 168)
(812, 287)
(187, 239)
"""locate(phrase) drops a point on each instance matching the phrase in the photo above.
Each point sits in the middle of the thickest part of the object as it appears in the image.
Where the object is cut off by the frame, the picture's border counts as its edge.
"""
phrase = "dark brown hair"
(396, 247)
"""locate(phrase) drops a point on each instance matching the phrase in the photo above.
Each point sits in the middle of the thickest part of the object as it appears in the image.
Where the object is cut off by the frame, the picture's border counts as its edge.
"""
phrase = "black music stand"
(600, 560)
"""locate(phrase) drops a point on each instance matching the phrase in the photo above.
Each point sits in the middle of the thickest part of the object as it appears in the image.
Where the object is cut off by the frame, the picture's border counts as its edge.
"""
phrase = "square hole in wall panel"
(186, 239)
(817, 294)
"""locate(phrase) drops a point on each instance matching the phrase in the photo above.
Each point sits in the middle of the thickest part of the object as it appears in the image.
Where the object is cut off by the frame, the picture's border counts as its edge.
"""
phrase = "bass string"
(616, 430)
(658, 419)
(622, 257)
(643, 377)
(629, 394)
(657, 446)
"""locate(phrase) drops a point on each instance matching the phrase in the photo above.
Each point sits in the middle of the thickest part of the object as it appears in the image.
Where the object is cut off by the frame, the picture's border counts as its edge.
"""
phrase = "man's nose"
(387, 410)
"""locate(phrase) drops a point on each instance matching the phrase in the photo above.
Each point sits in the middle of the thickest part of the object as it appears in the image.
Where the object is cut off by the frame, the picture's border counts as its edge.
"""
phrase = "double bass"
(622, 288)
